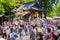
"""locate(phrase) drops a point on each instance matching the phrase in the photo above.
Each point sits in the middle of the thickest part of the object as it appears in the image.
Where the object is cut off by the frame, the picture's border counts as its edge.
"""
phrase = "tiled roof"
(29, 6)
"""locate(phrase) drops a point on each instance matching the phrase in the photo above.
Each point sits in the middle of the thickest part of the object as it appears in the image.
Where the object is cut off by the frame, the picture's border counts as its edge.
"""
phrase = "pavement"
(2, 39)
(18, 38)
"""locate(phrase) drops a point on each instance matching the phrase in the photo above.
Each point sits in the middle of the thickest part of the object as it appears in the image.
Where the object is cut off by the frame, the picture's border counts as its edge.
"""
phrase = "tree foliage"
(25, 1)
(8, 5)
(48, 5)
(2, 10)
(57, 9)
(17, 3)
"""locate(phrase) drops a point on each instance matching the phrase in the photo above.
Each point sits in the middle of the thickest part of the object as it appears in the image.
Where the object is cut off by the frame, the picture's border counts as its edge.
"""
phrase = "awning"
(1, 15)
(37, 9)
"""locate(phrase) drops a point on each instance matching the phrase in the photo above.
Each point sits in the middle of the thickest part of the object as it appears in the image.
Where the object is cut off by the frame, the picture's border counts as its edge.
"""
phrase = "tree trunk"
(45, 7)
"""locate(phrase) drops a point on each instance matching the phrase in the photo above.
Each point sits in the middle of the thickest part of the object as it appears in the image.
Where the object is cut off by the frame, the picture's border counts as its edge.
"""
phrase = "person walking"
(12, 35)
(4, 35)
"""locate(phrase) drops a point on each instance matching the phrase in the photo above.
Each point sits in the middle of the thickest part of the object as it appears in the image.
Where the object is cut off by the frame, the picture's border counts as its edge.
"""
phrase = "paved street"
(24, 37)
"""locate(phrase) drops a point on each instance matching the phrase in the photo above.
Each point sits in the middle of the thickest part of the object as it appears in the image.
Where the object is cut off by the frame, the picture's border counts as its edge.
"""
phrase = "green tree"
(2, 10)
(57, 9)
(17, 3)
(8, 5)
(25, 1)
(48, 5)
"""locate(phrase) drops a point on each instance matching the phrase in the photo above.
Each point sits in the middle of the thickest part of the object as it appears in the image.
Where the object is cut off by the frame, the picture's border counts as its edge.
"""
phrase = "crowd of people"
(38, 29)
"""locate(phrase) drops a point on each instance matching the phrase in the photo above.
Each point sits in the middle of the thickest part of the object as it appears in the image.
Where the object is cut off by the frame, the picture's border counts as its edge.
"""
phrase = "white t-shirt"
(11, 35)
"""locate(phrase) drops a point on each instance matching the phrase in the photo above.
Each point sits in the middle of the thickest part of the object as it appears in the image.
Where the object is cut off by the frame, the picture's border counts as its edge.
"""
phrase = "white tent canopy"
(49, 18)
